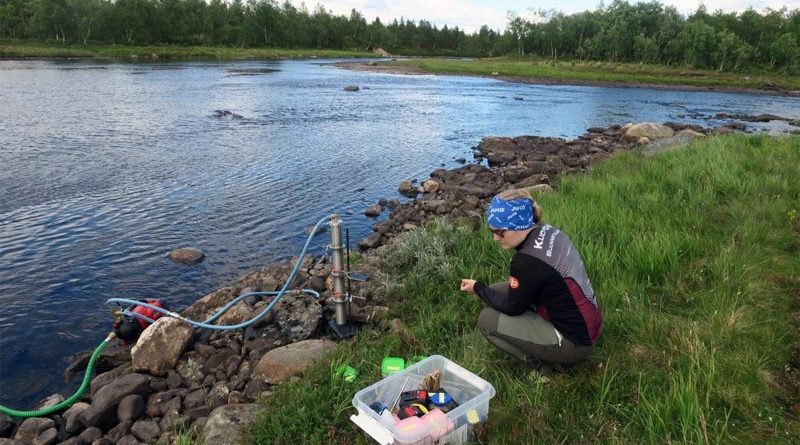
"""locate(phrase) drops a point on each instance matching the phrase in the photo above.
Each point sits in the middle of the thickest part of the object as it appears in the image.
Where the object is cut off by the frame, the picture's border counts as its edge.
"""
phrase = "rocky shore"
(176, 379)
(395, 68)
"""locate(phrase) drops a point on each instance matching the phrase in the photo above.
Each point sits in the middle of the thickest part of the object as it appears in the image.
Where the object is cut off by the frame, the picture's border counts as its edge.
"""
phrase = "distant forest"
(619, 32)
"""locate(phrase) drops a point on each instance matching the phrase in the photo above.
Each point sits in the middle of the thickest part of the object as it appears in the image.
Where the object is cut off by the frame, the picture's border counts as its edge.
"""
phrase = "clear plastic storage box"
(471, 392)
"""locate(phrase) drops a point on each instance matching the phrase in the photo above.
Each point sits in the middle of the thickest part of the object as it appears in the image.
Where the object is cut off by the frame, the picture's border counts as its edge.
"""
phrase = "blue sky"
(472, 14)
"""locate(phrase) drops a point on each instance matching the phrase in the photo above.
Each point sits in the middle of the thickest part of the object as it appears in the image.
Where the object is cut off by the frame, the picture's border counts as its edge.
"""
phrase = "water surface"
(106, 167)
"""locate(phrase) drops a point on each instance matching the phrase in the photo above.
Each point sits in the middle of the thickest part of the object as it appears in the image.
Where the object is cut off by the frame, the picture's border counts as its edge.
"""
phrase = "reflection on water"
(104, 168)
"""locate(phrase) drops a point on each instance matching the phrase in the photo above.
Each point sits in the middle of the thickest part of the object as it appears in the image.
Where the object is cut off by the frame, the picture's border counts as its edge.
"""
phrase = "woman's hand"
(467, 285)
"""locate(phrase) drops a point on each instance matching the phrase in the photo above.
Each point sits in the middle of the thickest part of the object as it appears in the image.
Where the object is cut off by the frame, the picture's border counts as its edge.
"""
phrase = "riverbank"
(548, 72)
(683, 307)
(681, 248)
(11, 50)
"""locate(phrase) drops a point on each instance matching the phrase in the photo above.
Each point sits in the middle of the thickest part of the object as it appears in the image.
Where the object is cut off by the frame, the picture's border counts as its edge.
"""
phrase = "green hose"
(66, 403)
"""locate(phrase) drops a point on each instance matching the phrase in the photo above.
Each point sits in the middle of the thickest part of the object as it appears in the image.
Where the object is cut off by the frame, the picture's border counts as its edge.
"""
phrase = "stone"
(174, 380)
(195, 398)
(46, 437)
(187, 255)
(227, 424)
(7, 426)
(5, 441)
(351, 88)
(199, 412)
(107, 377)
(164, 402)
(103, 410)
(541, 189)
(297, 315)
(650, 130)
(430, 186)
(373, 210)
(91, 434)
(30, 428)
(130, 408)
(52, 400)
(161, 345)
(146, 430)
(218, 395)
(239, 313)
(407, 188)
(128, 440)
(102, 441)
(678, 141)
(73, 441)
(281, 363)
(118, 432)
(72, 422)
(237, 397)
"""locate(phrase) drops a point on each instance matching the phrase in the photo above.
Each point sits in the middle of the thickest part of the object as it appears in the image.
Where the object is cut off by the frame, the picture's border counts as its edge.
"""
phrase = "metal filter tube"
(337, 271)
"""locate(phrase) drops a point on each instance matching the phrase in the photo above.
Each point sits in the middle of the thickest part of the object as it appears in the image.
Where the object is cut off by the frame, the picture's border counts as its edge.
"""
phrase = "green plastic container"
(392, 365)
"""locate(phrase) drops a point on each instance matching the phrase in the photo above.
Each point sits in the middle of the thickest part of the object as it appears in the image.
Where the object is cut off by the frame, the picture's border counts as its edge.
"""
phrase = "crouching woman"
(547, 312)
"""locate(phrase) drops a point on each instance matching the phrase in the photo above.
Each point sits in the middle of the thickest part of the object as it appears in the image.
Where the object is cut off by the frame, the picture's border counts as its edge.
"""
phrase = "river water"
(106, 167)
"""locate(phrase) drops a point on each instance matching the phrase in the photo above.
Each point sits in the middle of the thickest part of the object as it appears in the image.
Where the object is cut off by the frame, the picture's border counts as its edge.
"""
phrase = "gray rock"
(7, 426)
(118, 432)
(351, 88)
(226, 424)
(73, 441)
(195, 399)
(280, 364)
(218, 395)
(72, 418)
(298, 316)
(174, 422)
(5, 441)
(46, 437)
(407, 188)
(130, 408)
(128, 440)
(650, 130)
(161, 345)
(103, 410)
(373, 210)
(146, 430)
(91, 434)
(370, 242)
(667, 144)
(30, 428)
(199, 412)
(174, 380)
(187, 255)
(52, 400)
(112, 357)
(102, 441)
(105, 378)
(217, 360)
(164, 402)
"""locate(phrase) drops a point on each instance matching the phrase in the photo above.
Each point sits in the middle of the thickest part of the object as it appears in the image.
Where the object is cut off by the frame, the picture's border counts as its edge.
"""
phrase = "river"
(106, 167)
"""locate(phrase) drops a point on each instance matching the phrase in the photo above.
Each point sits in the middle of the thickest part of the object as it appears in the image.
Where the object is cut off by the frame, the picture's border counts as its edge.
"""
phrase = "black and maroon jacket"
(547, 276)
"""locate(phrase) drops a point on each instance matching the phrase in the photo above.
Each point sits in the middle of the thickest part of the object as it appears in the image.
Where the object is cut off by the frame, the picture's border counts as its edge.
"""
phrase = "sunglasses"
(498, 232)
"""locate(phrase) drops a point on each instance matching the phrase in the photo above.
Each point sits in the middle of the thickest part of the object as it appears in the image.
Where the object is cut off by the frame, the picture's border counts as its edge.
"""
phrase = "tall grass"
(603, 72)
(22, 49)
(694, 258)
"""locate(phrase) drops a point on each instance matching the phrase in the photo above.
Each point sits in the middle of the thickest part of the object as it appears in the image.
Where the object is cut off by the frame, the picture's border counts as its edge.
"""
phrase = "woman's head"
(511, 216)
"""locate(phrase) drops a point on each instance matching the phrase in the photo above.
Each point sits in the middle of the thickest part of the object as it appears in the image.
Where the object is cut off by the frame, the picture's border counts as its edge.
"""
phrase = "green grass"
(15, 49)
(695, 258)
(606, 72)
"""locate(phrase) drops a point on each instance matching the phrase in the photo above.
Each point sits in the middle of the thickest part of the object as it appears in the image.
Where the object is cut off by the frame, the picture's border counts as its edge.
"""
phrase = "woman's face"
(509, 239)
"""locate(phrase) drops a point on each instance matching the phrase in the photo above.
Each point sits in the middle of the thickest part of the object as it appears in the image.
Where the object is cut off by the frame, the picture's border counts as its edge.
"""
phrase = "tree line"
(619, 32)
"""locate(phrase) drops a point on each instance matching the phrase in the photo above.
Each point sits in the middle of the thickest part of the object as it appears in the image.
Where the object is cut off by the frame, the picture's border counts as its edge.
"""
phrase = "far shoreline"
(414, 71)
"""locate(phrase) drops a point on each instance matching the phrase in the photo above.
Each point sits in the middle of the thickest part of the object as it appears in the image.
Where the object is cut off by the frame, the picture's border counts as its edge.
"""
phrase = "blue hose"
(206, 324)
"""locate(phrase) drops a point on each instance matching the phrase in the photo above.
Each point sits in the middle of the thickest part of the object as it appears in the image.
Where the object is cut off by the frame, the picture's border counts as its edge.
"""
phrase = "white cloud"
(689, 6)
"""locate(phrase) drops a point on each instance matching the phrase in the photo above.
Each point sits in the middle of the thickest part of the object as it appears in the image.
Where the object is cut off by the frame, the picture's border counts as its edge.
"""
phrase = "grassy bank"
(46, 51)
(604, 72)
(695, 258)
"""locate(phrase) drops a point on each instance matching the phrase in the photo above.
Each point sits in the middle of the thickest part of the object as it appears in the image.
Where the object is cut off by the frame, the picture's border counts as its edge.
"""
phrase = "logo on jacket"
(513, 282)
